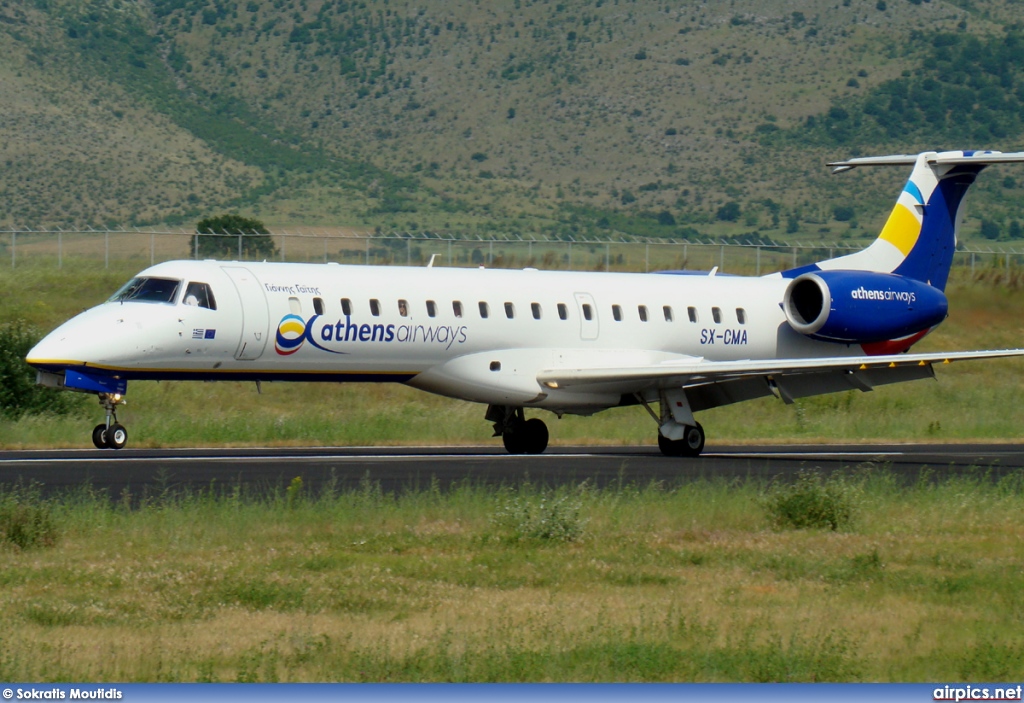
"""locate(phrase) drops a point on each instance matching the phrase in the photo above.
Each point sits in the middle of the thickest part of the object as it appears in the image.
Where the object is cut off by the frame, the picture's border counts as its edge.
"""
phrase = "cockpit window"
(199, 295)
(148, 290)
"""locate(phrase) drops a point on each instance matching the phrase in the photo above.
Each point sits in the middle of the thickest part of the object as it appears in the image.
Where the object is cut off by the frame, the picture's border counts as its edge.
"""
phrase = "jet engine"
(857, 307)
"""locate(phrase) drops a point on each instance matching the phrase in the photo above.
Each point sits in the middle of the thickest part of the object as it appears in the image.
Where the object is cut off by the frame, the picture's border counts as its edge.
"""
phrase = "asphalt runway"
(154, 471)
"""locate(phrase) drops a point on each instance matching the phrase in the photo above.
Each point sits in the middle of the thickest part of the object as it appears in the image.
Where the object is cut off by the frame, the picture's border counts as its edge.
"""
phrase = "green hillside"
(519, 115)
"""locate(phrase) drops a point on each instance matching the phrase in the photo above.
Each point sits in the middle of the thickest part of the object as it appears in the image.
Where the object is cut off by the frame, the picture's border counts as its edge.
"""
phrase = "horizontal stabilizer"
(943, 158)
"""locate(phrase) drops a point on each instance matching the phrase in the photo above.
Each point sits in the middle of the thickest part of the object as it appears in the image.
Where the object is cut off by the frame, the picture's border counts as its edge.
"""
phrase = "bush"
(811, 502)
(546, 517)
(26, 521)
(256, 242)
(19, 394)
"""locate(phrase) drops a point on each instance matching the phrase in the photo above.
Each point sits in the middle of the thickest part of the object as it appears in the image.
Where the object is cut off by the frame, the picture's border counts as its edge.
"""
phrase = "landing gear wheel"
(535, 436)
(691, 445)
(99, 436)
(526, 437)
(513, 441)
(117, 436)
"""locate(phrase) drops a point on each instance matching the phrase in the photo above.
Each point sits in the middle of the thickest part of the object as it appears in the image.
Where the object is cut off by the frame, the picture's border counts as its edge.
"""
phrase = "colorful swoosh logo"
(291, 333)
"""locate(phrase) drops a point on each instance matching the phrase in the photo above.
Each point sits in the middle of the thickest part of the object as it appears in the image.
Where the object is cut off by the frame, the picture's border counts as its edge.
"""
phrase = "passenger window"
(431, 308)
(617, 313)
(667, 310)
(717, 314)
(642, 310)
(199, 295)
(535, 309)
(741, 316)
(588, 313)
(374, 307)
(318, 306)
(403, 308)
(457, 308)
(346, 306)
(295, 306)
(510, 310)
(563, 312)
(484, 310)
(692, 314)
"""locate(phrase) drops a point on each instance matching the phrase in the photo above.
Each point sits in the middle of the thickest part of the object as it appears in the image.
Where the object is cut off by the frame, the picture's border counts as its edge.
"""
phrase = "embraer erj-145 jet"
(568, 342)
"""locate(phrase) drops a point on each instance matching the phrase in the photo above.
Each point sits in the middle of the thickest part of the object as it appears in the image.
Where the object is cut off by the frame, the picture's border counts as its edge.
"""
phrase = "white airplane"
(567, 342)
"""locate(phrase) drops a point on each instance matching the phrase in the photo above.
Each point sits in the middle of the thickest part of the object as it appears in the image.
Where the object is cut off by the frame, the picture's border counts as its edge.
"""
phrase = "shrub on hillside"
(219, 239)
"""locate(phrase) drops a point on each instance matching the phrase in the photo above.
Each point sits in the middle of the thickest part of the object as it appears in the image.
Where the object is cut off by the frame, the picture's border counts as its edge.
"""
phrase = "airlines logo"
(863, 293)
(293, 332)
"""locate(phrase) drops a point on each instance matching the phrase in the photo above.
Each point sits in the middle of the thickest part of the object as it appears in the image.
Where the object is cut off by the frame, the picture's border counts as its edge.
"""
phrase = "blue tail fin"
(919, 238)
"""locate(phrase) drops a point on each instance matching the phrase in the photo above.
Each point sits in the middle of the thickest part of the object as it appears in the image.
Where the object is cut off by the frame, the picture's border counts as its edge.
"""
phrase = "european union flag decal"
(210, 334)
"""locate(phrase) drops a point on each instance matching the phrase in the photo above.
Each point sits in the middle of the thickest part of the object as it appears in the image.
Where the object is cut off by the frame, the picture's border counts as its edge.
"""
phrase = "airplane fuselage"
(476, 334)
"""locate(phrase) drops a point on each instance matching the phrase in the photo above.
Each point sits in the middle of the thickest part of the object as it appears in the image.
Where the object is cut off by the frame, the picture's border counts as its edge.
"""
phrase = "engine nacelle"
(857, 307)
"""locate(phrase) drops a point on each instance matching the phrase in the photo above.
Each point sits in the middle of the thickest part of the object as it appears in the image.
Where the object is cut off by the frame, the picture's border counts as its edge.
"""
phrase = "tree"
(730, 212)
(226, 234)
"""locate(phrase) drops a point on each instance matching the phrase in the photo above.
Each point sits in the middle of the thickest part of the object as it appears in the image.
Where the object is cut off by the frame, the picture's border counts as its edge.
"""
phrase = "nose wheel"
(111, 434)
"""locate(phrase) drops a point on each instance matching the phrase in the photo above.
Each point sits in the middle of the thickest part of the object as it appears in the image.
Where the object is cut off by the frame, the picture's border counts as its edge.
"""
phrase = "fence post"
(794, 257)
(152, 248)
(570, 256)
(607, 256)
(106, 249)
(239, 246)
(195, 248)
(647, 258)
(284, 242)
(758, 269)
(972, 264)
(408, 252)
(60, 250)
(721, 259)
(14, 247)
(449, 252)
(325, 250)
(367, 251)
(490, 253)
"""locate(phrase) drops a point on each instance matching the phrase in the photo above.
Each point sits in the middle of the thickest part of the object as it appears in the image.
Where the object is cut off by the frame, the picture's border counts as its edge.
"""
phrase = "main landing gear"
(678, 433)
(520, 436)
(692, 443)
(111, 434)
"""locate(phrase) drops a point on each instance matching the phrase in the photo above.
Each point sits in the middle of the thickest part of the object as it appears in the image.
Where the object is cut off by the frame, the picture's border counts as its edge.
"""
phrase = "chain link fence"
(61, 248)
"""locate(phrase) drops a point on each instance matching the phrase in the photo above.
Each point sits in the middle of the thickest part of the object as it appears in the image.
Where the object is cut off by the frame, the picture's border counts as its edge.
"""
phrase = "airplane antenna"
(430, 264)
(259, 387)
(712, 272)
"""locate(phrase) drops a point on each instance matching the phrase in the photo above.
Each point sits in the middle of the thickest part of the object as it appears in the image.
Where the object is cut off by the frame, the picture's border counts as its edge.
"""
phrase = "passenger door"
(255, 315)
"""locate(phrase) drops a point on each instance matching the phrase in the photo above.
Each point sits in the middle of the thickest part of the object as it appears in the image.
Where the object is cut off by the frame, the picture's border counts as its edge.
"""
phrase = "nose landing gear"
(111, 434)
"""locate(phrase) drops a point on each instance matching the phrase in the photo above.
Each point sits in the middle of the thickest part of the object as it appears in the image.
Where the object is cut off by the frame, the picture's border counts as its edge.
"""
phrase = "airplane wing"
(713, 383)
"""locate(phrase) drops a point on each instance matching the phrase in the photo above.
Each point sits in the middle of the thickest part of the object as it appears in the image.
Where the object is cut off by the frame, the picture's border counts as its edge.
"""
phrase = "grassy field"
(978, 400)
(696, 582)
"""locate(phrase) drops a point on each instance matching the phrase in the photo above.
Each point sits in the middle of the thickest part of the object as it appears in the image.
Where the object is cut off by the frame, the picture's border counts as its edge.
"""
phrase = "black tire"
(513, 438)
(691, 445)
(117, 436)
(99, 436)
(535, 436)
(693, 440)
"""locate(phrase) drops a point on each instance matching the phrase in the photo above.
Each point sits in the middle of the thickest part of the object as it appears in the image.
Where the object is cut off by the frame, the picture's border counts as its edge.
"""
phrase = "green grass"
(658, 583)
